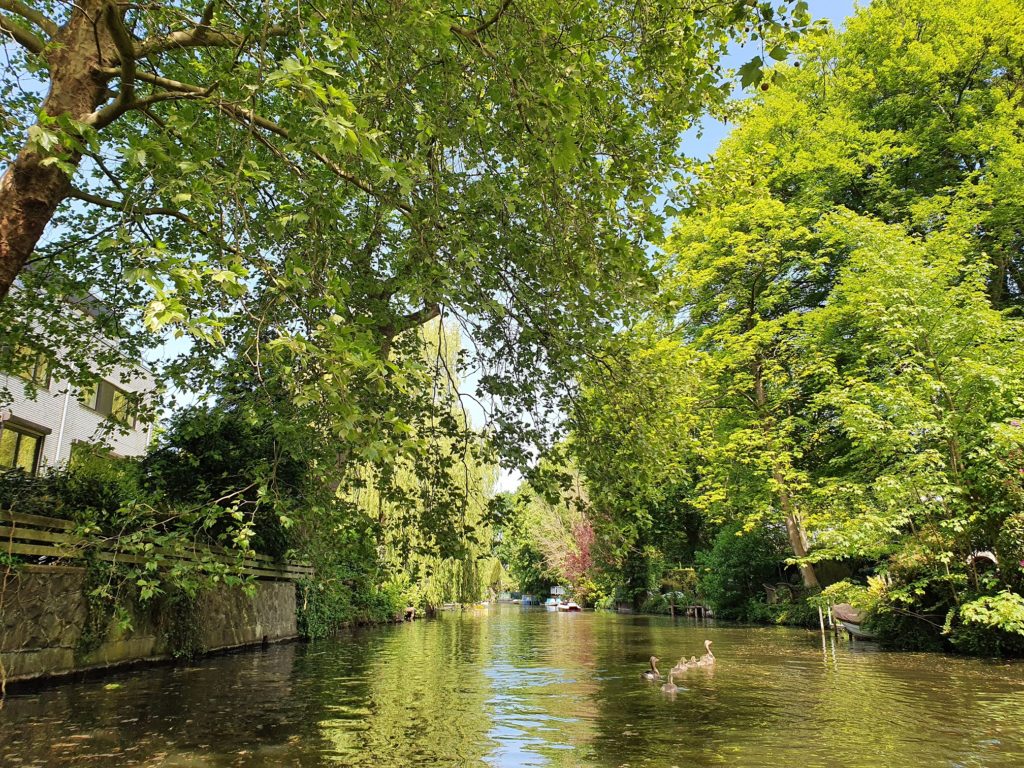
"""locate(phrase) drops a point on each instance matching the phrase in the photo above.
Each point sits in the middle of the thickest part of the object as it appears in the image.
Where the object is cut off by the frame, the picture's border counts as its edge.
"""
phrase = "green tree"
(743, 275)
(842, 289)
(296, 189)
(912, 114)
(518, 550)
(635, 438)
(926, 383)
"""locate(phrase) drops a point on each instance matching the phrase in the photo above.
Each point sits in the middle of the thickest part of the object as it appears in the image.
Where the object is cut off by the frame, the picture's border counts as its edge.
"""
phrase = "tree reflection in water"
(508, 687)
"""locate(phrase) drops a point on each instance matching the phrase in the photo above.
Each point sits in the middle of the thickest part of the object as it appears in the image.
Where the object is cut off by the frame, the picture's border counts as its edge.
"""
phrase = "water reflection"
(508, 688)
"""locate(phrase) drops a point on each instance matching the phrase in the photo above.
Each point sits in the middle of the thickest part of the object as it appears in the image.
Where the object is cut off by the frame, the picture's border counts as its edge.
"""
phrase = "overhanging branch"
(164, 82)
(248, 117)
(424, 314)
(127, 207)
(30, 15)
(202, 35)
(494, 19)
(472, 36)
(22, 36)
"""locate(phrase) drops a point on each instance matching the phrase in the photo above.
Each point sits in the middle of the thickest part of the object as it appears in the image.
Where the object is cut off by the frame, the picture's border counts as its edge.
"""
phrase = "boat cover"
(846, 612)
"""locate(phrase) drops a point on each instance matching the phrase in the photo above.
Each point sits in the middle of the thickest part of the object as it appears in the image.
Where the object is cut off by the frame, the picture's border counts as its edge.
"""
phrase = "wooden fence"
(51, 537)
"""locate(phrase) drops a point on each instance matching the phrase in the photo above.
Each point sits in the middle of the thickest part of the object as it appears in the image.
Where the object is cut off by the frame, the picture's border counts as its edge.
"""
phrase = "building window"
(32, 366)
(20, 449)
(108, 400)
(121, 409)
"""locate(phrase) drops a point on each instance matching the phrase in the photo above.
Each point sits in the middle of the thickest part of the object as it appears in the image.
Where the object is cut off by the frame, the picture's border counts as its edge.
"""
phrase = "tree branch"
(164, 82)
(424, 314)
(127, 207)
(125, 50)
(248, 117)
(155, 98)
(207, 16)
(31, 15)
(494, 19)
(472, 36)
(22, 36)
(202, 35)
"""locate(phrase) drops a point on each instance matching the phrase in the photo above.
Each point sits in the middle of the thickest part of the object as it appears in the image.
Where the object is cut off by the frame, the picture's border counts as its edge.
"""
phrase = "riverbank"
(49, 628)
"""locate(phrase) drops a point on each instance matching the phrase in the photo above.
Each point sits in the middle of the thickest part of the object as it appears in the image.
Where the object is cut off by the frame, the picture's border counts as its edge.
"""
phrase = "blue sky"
(701, 147)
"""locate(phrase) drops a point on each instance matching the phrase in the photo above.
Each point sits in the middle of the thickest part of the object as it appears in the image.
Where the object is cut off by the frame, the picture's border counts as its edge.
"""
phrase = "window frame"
(99, 398)
(129, 418)
(22, 431)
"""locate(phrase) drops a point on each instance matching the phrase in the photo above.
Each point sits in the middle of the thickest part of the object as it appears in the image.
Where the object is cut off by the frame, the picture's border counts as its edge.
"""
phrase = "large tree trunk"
(797, 538)
(799, 543)
(29, 190)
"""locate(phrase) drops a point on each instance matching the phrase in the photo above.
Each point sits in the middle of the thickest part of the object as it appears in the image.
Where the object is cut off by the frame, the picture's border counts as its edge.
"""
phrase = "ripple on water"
(510, 688)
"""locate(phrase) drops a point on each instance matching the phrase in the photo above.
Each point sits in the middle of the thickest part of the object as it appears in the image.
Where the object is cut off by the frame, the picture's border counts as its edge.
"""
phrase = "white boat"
(569, 606)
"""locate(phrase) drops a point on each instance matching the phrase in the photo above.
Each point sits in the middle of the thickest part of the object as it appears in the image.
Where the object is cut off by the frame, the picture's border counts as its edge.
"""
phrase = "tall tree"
(635, 436)
(912, 114)
(327, 178)
(925, 381)
(742, 276)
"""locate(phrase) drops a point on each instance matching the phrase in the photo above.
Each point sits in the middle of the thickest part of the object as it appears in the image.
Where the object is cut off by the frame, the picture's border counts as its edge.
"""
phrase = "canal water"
(505, 686)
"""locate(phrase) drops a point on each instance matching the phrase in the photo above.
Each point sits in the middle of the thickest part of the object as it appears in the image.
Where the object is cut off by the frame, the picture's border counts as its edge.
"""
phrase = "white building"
(42, 432)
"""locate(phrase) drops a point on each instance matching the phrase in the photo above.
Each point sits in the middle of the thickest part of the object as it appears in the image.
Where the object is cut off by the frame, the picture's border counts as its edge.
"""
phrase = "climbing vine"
(177, 619)
(100, 588)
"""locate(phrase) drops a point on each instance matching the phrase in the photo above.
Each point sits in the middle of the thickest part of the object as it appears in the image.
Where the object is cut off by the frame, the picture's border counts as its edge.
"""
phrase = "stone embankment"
(43, 615)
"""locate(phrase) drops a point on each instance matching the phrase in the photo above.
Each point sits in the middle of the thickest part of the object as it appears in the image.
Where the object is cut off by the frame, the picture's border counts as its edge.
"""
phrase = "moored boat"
(852, 621)
(569, 607)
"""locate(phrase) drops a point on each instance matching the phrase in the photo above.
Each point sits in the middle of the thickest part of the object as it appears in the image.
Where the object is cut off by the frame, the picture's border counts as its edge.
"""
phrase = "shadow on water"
(507, 687)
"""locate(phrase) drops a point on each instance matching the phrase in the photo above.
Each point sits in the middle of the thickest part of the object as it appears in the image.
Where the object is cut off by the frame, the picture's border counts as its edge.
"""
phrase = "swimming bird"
(708, 659)
(652, 673)
(670, 686)
(685, 664)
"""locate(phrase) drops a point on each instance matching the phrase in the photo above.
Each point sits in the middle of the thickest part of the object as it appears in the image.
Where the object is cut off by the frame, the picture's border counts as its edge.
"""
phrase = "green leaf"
(752, 72)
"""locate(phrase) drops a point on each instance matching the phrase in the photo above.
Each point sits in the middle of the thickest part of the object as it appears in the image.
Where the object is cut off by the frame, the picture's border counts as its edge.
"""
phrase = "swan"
(652, 673)
(670, 686)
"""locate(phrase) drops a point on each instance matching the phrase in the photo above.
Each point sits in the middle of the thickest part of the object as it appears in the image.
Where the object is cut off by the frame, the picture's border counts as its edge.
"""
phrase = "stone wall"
(43, 612)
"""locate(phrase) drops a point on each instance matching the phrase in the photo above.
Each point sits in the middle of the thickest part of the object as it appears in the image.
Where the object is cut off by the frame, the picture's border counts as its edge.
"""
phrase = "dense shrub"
(1010, 548)
(903, 631)
(28, 494)
(991, 625)
(795, 612)
(90, 488)
(734, 571)
(95, 484)
(327, 606)
(225, 457)
(641, 574)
